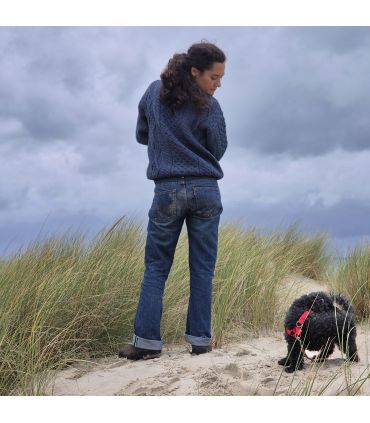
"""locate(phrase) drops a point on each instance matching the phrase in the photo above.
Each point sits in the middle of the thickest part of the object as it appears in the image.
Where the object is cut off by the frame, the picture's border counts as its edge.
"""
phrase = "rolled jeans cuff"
(198, 341)
(148, 344)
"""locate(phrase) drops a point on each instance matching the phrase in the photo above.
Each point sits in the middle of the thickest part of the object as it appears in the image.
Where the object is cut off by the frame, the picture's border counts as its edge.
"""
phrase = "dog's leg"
(326, 351)
(284, 361)
(295, 356)
(351, 350)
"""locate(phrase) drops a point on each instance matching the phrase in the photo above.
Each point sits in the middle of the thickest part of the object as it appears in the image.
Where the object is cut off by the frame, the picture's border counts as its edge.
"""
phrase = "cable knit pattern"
(182, 143)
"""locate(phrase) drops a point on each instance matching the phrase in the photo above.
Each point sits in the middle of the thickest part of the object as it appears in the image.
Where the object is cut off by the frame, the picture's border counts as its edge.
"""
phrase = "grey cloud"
(15, 201)
(347, 218)
(339, 40)
(301, 123)
(299, 94)
(68, 110)
(59, 81)
(17, 236)
(4, 203)
(44, 120)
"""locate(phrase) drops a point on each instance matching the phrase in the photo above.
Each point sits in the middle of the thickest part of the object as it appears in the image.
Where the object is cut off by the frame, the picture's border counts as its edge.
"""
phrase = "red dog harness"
(296, 332)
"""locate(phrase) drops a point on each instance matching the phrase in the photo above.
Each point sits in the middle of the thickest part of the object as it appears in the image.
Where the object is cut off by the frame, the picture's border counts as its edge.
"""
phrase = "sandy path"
(248, 367)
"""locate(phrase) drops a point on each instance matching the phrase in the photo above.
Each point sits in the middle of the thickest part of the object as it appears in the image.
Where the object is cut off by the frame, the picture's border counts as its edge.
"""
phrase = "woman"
(184, 129)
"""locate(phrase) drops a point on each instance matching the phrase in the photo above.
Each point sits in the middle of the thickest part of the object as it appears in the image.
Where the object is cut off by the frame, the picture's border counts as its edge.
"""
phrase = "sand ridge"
(247, 367)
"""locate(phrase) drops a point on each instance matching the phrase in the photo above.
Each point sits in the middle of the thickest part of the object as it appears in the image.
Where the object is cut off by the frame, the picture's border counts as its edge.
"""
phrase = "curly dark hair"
(178, 84)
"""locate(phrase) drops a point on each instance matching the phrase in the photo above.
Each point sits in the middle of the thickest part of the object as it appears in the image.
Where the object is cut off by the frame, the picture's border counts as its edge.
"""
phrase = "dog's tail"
(342, 302)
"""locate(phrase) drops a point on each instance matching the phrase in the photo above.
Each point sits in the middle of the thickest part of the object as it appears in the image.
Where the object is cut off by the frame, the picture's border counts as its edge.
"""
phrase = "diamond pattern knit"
(180, 143)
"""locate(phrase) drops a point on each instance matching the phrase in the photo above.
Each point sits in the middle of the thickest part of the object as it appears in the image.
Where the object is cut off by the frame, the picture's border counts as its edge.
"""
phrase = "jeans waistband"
(183, 178)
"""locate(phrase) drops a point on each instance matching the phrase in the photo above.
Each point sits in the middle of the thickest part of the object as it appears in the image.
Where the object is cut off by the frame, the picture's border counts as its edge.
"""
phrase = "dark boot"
(133, 353)
(196, 349)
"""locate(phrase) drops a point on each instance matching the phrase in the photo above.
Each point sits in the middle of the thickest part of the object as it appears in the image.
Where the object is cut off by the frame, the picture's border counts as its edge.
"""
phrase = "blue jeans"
(198, 201)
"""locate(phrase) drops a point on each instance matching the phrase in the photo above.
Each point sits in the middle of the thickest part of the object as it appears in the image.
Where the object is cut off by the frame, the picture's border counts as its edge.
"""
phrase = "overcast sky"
(296, 102)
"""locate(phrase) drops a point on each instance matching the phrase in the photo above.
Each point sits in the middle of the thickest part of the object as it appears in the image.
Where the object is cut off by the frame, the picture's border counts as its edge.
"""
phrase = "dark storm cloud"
(302, 122)
(340, 40)
(17, 236)
(347, 219)
(301, 91)
(295, 101)
(298, 91)
(59, 81)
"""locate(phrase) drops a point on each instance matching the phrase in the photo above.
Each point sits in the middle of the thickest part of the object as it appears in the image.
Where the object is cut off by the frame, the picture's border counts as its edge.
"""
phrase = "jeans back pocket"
(208, 201)
(164, 205)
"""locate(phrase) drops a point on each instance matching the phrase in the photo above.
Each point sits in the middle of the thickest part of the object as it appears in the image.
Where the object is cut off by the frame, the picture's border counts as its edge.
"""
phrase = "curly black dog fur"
(331, 321)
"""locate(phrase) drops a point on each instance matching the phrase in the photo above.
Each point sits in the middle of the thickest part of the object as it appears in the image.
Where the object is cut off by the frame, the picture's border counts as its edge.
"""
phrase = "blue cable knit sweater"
(184, 143)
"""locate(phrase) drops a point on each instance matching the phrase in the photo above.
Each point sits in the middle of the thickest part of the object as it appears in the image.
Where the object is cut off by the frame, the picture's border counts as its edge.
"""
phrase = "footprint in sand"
(211, 382)
(76, 375)
(268, 380)
(233, 369)
(152, 386)
(245, 352)
(119, 363)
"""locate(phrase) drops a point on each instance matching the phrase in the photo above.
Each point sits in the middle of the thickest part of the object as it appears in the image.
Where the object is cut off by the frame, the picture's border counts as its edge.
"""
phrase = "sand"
(247, 367)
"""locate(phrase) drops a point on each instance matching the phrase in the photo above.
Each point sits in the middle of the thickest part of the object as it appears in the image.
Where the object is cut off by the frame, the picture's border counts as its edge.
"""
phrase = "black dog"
(317, 322)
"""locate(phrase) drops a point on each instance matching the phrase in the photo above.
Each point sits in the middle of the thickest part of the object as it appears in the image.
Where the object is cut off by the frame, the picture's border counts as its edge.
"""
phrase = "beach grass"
(65, 298)
(352, 277)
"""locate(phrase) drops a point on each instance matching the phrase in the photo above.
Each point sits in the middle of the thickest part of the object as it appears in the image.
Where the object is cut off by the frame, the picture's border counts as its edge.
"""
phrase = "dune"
(246, 367)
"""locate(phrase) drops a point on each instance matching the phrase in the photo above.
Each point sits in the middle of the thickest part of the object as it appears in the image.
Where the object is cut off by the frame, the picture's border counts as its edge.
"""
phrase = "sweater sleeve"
(142, 128)
(216, 141)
